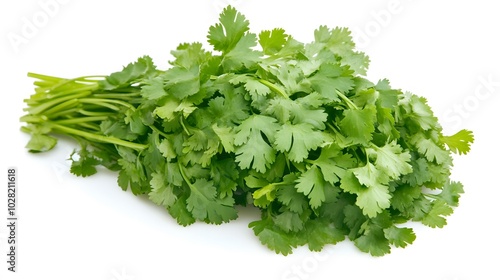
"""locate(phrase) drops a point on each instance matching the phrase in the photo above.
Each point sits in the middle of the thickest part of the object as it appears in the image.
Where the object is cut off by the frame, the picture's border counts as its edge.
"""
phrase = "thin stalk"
(184, 176)
(97, 137)
(348, 101)
(274, 88)
(102, 101)
(81, 120)
(61, 106)
(45, 106)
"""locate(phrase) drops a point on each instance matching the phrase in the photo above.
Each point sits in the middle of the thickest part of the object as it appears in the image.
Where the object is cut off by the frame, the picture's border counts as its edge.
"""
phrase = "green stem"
(348, 101)
(81, 120)
(97, 137)
(61, 107)
(184, 126)
(128, 95)
(106, 103)
(185, 177)
(274, 88)
(91, 113)
(159, 131)
(49, 104)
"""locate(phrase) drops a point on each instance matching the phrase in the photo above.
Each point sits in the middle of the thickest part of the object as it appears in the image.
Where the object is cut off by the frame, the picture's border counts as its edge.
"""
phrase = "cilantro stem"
(105, 103)
(82, 120)
(348, 101)
(184, 126)
(158, 131)
(274, 88)
(185, 177)
(97, 137)
(49, 104)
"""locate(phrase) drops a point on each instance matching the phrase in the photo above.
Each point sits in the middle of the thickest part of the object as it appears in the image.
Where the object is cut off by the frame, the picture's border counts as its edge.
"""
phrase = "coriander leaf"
(295, 201)
(272, 41)
(153, 88)
(41, 143)
(272, 237)
(422, 113)
(435, 217)
(161, 193)
(179, 211)
(374, 199)
(252, 149)
(430, 149)
(420, 173)
(312, 184)
(182, 82)
(404, 196)
(189, 55)
(203, 204)
(333, 163)
(289, 222)
(242, 55)
(86, 163)
(459, 142)
(400, 237)
(451, 192)
(374, 242)
(319, 233)
(331, 78)
(251, 84)
(369, 175)
(392, 160)
(297, 140)
(349, 183)
(143, 67)
(358, 125)
(224, 35)
(226, 137)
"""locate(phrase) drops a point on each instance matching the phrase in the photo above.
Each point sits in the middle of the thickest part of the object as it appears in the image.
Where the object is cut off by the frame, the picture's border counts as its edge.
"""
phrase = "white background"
(87, 228)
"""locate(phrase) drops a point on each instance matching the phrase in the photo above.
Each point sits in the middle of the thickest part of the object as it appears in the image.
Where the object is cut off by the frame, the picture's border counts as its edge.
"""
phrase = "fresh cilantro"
(294, 129)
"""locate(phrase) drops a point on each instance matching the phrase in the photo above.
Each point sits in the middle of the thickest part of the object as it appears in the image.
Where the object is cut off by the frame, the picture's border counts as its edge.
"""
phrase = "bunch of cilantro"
(266, 121)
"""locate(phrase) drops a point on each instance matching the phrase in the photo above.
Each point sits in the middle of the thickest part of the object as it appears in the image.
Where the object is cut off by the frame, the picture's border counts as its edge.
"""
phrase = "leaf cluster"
(262, 120)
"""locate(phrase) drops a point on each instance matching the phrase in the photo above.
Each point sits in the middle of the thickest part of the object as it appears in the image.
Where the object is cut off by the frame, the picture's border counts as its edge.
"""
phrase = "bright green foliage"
(262, 120)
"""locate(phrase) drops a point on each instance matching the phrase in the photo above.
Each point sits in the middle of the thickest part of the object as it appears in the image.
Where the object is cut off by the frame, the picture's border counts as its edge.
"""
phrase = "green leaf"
(161, 193)
(153, 88)
(204, 205)
(451, 192)
(130, 74)
(436, 216)
(430, 149)
(41, 143)
(272, 41)
(459, 142)
(373, 242)
(312, 184)
(252, 150)
(85, 165)
(331, 78)
(297, 140)
(272, 237)
(224, 35)
(374, 199)
(182, 82)
(400, 237)
(179, 211)
(289, 221)
(319, 233)
(333, 163)
(392, 160)
(358, 125)
(242, 55)
(189, 55)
